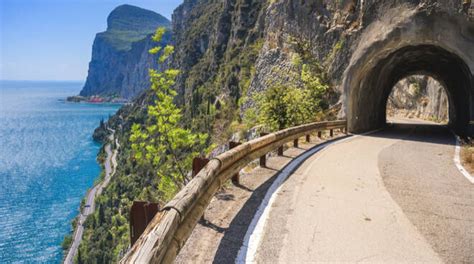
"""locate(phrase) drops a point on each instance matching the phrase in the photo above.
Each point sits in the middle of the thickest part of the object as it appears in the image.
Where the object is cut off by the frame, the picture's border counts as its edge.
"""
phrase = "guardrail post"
(295, 142)
(236, 177)
(263, 159)
(331, 132)
(141, 214)
(308, 138)
(280, 151)
(198, 164)
(320, 134)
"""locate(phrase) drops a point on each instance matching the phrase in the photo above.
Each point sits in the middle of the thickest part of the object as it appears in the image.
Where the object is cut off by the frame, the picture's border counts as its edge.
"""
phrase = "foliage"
(66, 242)
(336, 49)
(162, 143)
(283, 106)
(140, 174)
(297, 96)
(286, 105)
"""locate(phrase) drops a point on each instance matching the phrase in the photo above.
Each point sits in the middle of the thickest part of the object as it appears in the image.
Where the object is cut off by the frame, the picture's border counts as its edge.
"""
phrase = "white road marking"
(457, 161)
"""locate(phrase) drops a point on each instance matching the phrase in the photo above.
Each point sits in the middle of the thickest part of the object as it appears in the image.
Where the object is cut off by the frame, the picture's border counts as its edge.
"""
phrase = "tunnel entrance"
(371, 84)
(418, 97)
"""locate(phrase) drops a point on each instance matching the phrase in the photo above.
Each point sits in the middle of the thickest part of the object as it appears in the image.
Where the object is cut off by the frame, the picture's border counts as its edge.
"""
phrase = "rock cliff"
(419, 97)
(120, 59)
(234, 49)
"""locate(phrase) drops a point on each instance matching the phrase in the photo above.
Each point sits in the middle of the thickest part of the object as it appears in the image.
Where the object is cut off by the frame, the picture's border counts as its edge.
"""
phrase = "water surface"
(47, 163)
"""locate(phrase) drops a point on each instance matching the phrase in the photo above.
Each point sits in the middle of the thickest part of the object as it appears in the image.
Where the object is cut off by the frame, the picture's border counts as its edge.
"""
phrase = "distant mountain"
(120, 59)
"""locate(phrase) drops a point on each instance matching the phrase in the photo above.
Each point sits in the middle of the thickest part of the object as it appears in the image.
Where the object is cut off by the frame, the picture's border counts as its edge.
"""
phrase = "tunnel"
(368, 98)
(409, 42)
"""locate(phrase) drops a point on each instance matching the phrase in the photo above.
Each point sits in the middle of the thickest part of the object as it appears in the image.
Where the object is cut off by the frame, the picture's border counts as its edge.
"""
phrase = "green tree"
(79, 259)
(296, 96)
(282, 106)
(162, 142)
(316, 88)
(292, 103)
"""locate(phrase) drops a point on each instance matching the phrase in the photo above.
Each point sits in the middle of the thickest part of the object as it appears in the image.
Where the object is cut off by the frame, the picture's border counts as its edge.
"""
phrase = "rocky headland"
(120, 61)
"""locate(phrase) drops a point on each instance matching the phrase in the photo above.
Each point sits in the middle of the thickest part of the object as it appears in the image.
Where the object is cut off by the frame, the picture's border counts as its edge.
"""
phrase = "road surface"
(110, 165)
(389, 197)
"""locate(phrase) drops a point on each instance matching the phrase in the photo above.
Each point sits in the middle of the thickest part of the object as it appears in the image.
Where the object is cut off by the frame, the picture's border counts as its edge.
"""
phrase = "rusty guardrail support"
(280, 151)
(308, 138)
(320, 134)
(263, 158)
(169, 230)
(198, 164)
(236, 177)
(331, 132)
(141, 215)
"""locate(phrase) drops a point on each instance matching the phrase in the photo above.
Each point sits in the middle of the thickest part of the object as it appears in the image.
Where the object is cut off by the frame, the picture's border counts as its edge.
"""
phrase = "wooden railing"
(167, 233)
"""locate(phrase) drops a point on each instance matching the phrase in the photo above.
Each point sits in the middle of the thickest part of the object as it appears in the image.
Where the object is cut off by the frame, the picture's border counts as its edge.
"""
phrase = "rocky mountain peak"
(132, 18)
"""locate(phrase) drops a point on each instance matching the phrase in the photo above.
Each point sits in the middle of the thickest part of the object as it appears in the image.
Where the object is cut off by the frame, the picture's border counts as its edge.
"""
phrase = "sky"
(52, 39)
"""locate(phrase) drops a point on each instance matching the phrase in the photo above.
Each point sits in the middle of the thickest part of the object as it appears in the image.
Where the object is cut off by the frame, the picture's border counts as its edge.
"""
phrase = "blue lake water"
(47, 163)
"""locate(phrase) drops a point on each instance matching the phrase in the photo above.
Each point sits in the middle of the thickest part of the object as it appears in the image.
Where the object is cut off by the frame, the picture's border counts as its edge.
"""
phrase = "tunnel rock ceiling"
(417, 41)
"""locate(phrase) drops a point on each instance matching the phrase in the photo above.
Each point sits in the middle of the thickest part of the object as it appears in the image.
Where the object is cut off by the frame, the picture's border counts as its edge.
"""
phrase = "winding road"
(394, 196)
(110, 165)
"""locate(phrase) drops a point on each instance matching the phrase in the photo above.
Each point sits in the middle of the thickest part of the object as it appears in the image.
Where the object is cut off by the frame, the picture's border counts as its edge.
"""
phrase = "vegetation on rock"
(128, 24)
(297, 96)
(162, 145)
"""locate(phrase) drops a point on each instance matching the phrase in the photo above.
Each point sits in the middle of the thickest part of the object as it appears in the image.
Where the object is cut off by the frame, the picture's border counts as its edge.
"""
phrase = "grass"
(122, 40)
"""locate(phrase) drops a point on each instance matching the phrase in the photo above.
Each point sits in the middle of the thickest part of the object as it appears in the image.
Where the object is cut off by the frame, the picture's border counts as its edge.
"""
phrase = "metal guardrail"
(169, 230)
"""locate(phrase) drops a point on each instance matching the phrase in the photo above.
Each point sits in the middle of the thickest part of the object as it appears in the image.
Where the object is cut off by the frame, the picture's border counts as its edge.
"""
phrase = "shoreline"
(97, 99)
(110, 166)
(95, 103)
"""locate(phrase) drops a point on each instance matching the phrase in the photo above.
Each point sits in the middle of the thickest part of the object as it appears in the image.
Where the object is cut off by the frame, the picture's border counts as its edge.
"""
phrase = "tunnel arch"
(370, 98)
(436, 45)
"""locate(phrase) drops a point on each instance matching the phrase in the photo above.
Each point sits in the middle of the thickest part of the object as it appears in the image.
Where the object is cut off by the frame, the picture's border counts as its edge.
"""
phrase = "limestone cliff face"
(216, 44)
(120, 59)
(419, 97)
(333, 30)
(228, 50)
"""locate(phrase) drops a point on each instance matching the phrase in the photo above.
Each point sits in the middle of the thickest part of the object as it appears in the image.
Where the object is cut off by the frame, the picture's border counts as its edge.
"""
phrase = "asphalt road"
(391, 196)
(110, 164)
(419, 174)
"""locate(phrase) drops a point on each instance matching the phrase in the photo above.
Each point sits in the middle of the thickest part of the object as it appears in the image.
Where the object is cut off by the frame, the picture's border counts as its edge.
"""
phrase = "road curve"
(356, 201)
(110, 165)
